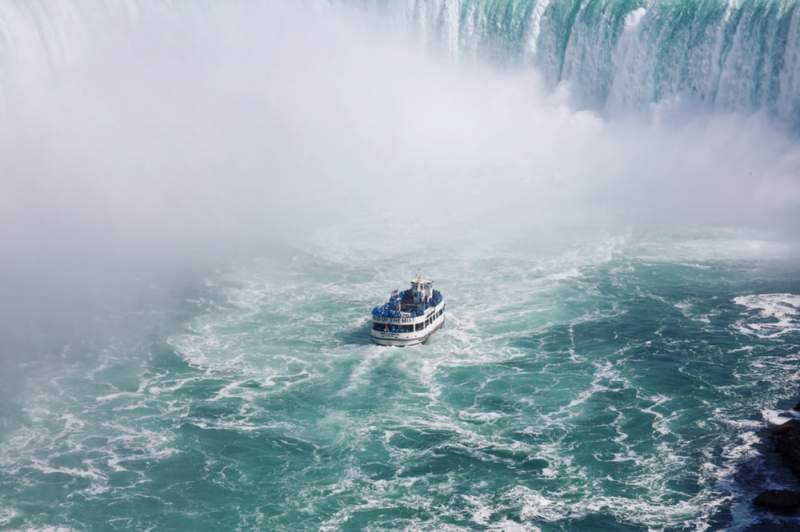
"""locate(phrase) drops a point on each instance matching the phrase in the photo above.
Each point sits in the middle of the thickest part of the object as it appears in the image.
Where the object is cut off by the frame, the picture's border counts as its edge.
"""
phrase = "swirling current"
(619, 385)
(620, 382)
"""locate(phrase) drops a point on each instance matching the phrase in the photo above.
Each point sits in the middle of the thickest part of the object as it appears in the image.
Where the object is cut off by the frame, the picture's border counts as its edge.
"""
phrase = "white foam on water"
(7, 515)
(474, 336)
(116, 395)
(480, 416)
(34, 452)
(362, 372)
(776, 417)
(507, 525)
(48, 528)
(686, 306)
(711, 250)
(482, 510)
(248, 354)
(534, 506)
(769, 315)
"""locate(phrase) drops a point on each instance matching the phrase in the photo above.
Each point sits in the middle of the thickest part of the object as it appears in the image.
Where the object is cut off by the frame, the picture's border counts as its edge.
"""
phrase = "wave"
(769, 315)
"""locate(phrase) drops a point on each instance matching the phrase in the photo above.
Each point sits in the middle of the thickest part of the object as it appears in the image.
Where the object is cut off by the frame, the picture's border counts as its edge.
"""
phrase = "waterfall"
(627, 54)
(731, 55)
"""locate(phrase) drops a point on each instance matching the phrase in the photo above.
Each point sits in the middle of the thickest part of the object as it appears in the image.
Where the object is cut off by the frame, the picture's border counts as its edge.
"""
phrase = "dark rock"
(778, 500)
(787, 443)
(796, 407)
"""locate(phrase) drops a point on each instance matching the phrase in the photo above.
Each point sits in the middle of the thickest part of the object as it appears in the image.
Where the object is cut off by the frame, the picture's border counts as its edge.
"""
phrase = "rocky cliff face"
(786, 438)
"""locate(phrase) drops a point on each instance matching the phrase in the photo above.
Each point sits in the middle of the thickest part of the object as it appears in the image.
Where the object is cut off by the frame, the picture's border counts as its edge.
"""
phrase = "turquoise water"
(628, 54)
(615, 384)
(616, 55)
(611, 383)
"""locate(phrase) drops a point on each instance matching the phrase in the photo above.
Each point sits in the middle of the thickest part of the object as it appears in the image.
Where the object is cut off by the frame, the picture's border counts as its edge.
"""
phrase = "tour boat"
(409, 317)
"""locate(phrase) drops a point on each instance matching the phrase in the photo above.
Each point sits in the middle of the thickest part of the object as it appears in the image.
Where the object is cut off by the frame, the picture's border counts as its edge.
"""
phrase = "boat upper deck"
(407, 306)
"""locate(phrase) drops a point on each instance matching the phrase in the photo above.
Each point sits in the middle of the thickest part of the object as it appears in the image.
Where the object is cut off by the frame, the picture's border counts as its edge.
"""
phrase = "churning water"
(616, 385)
(613, 383)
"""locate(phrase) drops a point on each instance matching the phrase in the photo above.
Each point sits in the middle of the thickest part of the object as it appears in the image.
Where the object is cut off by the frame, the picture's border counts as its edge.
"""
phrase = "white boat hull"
(407, 339)
(410, 317)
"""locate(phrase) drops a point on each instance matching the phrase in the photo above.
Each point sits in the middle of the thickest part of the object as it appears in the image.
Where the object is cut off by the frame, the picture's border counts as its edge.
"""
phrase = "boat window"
(389, 328)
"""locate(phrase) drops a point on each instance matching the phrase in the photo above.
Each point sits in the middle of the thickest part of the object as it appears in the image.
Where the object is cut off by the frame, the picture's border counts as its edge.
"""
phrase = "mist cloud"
(139, 141)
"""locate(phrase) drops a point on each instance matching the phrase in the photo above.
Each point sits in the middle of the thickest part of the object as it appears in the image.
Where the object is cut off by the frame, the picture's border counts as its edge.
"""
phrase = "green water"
(622, 54)
(618, 384)
(615, 383)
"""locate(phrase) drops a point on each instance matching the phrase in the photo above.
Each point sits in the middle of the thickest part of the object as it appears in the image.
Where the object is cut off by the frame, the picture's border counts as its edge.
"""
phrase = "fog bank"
(145, 140)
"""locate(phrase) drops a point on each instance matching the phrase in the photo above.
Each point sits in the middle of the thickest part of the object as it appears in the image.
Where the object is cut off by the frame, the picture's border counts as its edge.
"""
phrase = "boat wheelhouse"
(409, 317)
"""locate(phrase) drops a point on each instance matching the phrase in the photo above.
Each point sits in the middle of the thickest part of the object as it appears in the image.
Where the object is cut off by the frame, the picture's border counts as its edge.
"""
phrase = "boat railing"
(393, 312)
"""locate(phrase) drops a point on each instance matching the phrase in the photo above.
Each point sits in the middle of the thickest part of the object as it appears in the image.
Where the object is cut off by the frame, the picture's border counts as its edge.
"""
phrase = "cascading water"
(618, 55)
(201, 202)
